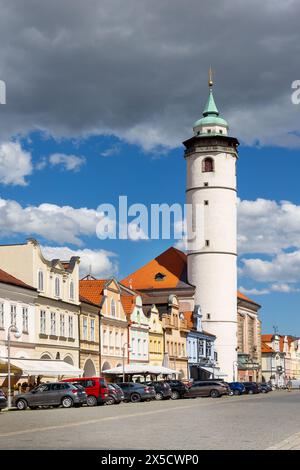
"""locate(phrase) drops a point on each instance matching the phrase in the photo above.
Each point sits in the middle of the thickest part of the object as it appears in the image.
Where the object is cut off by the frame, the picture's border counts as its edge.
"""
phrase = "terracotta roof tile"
(265, 348)
(92, 289)
(172, 263)
(7, 278)
(128, 302)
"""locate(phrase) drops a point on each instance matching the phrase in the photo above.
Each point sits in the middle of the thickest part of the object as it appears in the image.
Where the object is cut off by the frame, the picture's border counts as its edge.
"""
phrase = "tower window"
(207, 165)
(221, 132)
(206, 203)
(208, 131)
(208, 316)
(206, 242)
(206, 184)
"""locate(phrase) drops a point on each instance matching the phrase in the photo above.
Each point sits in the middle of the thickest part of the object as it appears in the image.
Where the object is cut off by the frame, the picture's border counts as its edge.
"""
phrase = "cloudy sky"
(100, 95)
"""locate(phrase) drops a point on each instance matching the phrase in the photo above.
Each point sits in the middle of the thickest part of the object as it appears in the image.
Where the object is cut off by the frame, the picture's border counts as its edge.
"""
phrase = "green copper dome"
(211, 114)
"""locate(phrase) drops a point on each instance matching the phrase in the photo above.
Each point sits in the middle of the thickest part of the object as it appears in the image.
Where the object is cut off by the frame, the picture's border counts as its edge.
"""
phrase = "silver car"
(51, 394)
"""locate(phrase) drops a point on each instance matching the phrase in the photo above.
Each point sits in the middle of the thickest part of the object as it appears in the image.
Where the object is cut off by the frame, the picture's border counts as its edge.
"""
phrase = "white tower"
(211, 157)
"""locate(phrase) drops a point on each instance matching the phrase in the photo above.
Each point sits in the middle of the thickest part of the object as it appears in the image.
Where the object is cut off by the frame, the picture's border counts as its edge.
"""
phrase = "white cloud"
(282, 268)
(61, 224)
(266, 226)
(100, 263)
(15, 164)
(254, 291)
(68, 162)
(114, 150)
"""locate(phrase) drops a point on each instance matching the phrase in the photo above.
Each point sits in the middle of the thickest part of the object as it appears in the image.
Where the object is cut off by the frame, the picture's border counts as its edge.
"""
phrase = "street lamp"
(11, 329)
(125, 346)
(234, 364)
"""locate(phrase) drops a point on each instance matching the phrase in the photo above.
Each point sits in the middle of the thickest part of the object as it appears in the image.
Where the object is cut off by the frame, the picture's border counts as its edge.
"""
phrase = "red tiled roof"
(173, 264)
(92, 289)
(265, 348)
(87, 301)
(189, 318)
(128, 302)
(7, 278)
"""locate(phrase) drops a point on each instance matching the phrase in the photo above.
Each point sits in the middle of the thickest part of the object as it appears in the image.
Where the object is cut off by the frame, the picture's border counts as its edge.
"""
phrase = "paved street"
(247, 422)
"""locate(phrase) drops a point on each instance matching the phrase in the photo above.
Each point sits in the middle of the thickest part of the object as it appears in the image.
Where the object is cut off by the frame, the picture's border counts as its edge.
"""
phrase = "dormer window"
(113, 308)
(159, 276)
(207, 165)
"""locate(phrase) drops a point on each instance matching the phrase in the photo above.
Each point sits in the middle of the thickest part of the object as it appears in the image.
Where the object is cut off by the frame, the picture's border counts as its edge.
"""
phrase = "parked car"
(135, 392)
(115, 394)
(178, 389)
(162, 389)
(264, 388)
(251, 387)
(3, 400)
(51, 394)
(95, 388)
(236, 388)
(210, 388)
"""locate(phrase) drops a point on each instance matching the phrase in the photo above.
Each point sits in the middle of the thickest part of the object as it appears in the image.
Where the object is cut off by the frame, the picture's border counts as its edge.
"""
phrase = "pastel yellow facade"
(90, 356)
(156, 338)
(176, 331)
(114, 327)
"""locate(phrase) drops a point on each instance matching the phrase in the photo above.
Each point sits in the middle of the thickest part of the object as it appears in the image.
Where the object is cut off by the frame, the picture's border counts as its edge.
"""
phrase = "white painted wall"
(213, 269)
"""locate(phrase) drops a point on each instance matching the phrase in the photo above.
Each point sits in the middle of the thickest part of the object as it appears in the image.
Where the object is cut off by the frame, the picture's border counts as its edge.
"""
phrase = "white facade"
(17, 305)
(57, 306)
(139, 334)
(212, 264)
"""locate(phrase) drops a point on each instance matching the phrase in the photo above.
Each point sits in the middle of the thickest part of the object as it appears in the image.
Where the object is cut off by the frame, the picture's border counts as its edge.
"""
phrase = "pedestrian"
(289, 385)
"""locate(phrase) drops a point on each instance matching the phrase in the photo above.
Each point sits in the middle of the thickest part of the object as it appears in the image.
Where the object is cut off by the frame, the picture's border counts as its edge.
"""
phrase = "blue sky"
(151, 177)
(98, 106)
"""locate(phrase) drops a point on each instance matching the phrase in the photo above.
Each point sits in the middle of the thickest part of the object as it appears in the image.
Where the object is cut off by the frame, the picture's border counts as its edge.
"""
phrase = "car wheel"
(158, 396)
(175, 395)
(67, 402)
(110, 401)
(135, 398)
(21, 404)
(263, 391)
(250, 392)
(91, 400)
(214, 394)
(236, 392)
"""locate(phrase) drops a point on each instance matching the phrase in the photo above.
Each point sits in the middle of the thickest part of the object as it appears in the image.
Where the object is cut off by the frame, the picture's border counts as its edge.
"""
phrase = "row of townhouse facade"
(148, 318)
(280, 358)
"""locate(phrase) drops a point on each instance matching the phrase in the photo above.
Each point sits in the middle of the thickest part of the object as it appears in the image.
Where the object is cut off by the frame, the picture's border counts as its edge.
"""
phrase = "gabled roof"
(87, 301)
(173, 264)
(7, 278)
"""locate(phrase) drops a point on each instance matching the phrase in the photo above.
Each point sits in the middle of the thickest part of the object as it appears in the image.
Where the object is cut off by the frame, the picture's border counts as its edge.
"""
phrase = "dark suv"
(210, 388)
(251, 387)
(136, 392)
(178, 389)
(162, 389)
(52, 394)
(115, 394)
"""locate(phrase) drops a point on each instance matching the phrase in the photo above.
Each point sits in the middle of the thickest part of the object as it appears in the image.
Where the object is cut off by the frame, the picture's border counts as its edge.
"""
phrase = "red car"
(95, 388)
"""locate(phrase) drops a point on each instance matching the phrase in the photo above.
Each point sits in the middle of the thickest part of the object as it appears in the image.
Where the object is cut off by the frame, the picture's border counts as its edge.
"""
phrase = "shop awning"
(142, 369)
(43, 367)
(213, 370)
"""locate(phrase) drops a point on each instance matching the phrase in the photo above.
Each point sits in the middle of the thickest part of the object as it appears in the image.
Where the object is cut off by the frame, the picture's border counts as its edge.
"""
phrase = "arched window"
(113, 308)
(41, 281)
(57, 287)
(208, 165)
(72, 290)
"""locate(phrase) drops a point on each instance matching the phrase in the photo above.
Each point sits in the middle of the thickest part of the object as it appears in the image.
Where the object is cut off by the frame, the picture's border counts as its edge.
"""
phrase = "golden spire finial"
(210, 78)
